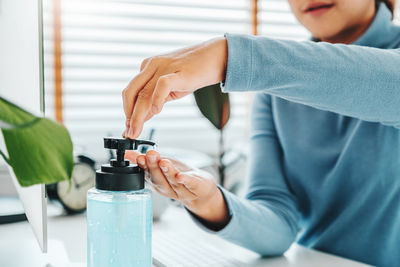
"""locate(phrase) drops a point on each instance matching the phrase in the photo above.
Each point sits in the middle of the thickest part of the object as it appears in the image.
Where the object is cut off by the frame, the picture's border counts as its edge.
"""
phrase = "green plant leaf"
(39, 149)
(214, 105)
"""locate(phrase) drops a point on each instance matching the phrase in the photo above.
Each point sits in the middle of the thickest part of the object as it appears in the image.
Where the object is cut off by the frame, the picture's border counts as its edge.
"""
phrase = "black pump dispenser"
(120, 175)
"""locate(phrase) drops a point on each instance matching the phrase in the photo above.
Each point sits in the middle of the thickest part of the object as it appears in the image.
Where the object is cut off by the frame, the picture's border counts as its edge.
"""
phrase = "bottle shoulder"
(112, 196)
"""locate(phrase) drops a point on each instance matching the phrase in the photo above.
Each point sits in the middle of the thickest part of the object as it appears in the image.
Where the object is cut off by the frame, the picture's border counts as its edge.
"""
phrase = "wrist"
(223, 44)
(212, 210)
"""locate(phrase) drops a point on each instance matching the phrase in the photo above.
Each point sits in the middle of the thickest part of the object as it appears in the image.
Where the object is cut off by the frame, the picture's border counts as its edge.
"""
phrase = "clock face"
(82, 179)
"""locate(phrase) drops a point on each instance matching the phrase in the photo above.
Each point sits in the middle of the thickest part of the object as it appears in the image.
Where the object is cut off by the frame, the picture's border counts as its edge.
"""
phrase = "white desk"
(67, 244)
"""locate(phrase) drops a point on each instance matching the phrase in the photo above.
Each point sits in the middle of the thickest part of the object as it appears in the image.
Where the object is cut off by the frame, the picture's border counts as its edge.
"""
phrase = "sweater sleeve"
(357, 81)
(266, 220)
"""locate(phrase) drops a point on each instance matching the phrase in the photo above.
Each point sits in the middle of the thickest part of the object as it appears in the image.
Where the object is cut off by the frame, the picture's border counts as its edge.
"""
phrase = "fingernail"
(154, 109)
(152, 159)
(141, 162)
(164, 169)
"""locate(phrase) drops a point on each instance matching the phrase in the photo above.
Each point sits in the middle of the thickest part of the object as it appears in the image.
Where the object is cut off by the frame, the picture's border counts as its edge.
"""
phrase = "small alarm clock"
(72, 194)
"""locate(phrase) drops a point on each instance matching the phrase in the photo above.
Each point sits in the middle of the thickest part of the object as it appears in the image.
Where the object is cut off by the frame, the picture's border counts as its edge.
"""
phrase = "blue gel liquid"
(119, 227)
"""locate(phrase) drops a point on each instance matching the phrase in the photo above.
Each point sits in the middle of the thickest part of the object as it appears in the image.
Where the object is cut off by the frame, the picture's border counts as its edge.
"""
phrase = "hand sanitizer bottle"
(119, 212)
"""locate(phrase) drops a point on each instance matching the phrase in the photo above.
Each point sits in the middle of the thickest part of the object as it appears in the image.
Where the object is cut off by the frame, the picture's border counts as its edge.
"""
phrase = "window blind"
(277, 20)
(104, 42)
(397, 13)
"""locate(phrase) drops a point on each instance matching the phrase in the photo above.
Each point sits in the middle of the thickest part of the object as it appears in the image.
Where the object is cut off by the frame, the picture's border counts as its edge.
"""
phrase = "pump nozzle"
(120, 175)
(122, 144)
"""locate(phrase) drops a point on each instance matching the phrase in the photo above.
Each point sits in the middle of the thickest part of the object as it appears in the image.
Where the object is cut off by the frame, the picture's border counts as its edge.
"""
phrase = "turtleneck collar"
(380, 33)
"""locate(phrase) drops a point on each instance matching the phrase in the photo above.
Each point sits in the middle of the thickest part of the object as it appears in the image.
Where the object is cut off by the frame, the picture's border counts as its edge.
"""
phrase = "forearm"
(352, 80)
(265, 222)
(253, 226)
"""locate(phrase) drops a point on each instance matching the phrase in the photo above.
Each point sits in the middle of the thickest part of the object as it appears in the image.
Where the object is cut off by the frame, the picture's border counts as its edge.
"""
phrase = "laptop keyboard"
(177, 250)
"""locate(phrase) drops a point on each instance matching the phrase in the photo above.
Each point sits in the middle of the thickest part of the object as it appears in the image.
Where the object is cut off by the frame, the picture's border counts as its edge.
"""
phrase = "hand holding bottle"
(196, 189)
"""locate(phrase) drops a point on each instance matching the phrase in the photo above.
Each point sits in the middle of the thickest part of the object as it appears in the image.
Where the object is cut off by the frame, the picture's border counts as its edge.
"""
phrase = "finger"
(141, 161)
(144, 63)
(157, 177)
(129, 94)
(164, 86)
(146, 90)
(176, 95)
(149, 116)
(170, 172)
(131, 156)
(141, 109)
(193, 183)
(179, 165)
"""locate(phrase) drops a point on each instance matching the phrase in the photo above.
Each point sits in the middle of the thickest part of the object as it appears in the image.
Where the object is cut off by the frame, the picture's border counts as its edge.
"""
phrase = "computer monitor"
(21, 81)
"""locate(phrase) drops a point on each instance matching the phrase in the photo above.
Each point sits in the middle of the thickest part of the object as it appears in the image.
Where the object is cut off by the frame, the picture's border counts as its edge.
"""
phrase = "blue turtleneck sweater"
(325, 144)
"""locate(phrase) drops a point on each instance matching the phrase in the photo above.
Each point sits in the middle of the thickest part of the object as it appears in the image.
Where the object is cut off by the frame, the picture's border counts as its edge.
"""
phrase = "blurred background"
(103, 42)
(93, 48)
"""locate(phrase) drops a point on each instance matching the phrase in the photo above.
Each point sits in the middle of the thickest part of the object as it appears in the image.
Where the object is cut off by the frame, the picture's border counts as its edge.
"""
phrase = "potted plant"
(39, 149)
(215, 106)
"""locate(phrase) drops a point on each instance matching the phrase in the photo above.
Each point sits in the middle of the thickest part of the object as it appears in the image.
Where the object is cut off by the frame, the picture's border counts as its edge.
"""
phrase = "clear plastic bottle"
(119, 228)
(119, 213)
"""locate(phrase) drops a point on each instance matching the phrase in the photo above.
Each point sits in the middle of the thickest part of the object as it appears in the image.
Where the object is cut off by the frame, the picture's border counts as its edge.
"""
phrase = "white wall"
(21, 81)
